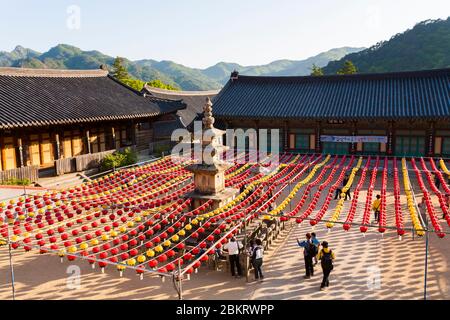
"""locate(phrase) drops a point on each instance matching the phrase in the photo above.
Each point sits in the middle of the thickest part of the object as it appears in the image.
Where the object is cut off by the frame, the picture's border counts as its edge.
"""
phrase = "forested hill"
(65, 56)
(426, 46)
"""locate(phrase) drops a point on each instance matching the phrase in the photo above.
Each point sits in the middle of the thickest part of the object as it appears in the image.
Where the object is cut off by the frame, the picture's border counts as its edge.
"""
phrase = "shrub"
(130, 156)
(17, 182)
(118, 159)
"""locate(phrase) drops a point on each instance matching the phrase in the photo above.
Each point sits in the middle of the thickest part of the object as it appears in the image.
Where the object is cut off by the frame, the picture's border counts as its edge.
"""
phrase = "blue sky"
(199, 33)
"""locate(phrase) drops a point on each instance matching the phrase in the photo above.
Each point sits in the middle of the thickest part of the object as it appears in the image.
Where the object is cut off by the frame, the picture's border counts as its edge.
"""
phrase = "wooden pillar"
(88, 143)
(133, 133)
(431, 135)
(257, 140)
(285, 136)
(353, 147)
(113, 137)
(21, 158)
(390, 140)
(318, 133)
(58, 147)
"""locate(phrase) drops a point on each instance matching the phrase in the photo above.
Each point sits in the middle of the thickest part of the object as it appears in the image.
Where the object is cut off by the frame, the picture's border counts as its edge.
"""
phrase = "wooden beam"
(431, 135)
(390, 138)
(88, 139)
(318, 133)
(285, 136)
(58, 147)
(113, 134)
(19, 144)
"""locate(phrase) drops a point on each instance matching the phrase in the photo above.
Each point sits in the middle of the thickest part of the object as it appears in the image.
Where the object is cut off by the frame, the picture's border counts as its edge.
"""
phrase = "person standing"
(376, 205)
(257, 259)
(326, 257)
(233, 247)
(347, 193)
(339, 190)
(309, 251)
(315, 242)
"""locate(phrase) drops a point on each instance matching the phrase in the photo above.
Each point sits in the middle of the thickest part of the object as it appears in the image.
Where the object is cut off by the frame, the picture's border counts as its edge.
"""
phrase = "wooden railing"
(65, 166)
(80, 163)
(31, 173)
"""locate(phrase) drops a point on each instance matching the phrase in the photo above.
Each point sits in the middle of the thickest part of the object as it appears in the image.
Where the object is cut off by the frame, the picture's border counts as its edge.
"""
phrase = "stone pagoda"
(209, 173)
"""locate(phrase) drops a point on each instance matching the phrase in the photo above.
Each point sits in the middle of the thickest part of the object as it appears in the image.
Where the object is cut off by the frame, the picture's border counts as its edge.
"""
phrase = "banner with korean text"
(354, 139)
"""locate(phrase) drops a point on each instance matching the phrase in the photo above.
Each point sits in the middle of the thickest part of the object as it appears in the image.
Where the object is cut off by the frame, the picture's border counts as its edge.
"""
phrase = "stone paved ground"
(399, 266)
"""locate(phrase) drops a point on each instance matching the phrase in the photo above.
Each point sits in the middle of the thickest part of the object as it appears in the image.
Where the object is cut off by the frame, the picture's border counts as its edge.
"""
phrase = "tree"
(348, 68)
(316, 71)
(159, 84)
(137, 84)
(120, 72)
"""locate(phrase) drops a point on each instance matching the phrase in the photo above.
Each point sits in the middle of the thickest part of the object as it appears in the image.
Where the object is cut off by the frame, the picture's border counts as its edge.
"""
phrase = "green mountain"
(221, 71)
(64, 56)
(19, 53)
(425, 46)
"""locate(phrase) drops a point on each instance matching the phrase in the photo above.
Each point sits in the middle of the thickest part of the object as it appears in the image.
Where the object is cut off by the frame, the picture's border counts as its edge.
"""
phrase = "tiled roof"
(420, 94)
(195, 101)
(33, 97)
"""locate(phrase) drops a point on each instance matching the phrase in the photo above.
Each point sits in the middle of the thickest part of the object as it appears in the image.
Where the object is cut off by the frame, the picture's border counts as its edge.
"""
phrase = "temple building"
(194, 100)
(394, 114)
(48, 115)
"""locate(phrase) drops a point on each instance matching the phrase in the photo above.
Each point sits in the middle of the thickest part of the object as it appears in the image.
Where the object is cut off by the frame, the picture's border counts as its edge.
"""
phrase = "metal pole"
(426, 263)
(180, 286)
(11, 267)
(245, 248)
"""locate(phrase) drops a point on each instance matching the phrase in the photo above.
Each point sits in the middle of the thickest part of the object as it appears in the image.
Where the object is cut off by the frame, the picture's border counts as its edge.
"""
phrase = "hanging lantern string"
(122, 264)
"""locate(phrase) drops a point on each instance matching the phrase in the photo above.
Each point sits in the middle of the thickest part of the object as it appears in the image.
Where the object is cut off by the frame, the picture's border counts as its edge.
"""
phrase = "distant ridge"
(64, 56)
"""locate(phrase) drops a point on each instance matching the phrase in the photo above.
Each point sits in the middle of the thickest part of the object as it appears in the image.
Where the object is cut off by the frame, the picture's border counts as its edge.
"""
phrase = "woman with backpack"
(376, 205)
(326, 257)
(257, 253)
(309, 251)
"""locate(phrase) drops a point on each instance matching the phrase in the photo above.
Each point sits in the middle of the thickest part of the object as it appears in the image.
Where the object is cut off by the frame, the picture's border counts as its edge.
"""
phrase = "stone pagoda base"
(219, 199)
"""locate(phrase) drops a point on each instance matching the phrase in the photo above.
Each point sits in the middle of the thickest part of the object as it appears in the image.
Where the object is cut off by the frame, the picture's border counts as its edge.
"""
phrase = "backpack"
(312, 249)
(254, 252)
(326, 260)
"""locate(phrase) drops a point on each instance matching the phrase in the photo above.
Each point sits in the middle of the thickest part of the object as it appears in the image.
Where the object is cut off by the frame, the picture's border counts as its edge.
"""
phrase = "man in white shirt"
(233, 248)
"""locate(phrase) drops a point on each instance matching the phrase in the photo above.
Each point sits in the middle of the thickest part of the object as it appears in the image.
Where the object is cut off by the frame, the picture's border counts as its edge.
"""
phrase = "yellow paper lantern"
(150, 253)
(72, 249)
